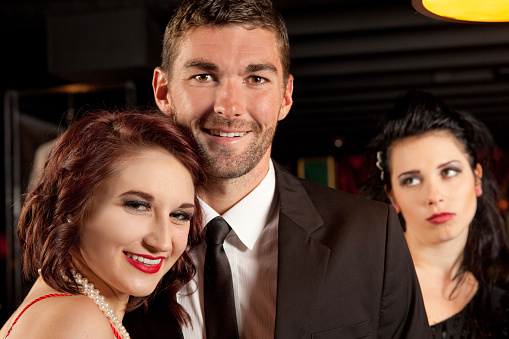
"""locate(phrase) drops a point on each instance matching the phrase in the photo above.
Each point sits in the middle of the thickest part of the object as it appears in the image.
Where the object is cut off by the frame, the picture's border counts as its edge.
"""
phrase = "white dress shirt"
(251, 248)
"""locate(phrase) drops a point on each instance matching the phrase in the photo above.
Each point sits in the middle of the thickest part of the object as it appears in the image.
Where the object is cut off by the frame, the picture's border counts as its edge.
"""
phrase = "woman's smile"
(144, 264)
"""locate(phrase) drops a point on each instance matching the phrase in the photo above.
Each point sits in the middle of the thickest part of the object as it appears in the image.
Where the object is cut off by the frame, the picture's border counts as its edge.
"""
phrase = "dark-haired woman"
(433, 164)
(113, 211)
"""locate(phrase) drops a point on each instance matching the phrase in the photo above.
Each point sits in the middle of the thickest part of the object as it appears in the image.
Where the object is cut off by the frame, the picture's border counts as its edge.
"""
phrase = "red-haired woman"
(113, 211)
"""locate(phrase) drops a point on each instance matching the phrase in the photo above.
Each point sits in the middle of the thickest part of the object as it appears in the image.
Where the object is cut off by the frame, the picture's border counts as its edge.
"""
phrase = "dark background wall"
(351, 60)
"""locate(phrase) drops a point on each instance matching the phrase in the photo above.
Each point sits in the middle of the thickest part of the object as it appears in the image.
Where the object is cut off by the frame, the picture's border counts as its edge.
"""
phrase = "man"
(306, 260)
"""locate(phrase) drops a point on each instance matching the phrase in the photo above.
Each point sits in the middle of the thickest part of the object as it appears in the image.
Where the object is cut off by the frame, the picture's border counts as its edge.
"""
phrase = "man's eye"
(257, 80)
(203, 77)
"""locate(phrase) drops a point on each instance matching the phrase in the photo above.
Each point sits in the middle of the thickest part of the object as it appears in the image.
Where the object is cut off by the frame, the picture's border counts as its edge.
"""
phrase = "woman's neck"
(445, 289)
(442, 258)
(117, 300)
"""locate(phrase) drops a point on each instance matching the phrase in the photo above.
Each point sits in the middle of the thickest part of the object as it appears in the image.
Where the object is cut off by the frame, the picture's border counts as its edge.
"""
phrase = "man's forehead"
(207, 44)
(245, 32)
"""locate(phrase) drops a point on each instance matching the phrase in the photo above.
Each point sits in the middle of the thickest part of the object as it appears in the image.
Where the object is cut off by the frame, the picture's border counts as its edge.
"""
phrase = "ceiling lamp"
(464, 10)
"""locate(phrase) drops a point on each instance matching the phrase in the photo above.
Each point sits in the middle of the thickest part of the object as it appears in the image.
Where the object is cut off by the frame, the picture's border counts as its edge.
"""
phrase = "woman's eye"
(411, 181)
(181, 216)
(450, 172)
(257, 80)
(138, 206)
(203, 77)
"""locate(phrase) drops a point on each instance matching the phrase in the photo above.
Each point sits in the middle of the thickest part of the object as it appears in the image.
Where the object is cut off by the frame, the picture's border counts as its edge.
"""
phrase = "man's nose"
(229, 99)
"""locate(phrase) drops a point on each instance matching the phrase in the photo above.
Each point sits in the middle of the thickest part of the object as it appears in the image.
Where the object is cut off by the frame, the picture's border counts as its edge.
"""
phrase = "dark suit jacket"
(344, 269)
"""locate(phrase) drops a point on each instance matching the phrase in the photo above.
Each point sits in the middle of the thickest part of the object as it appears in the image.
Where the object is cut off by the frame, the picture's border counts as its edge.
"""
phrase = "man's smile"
(226, 134)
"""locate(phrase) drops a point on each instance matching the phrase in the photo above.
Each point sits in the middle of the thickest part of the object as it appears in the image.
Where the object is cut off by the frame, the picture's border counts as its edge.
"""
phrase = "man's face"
(227, 87)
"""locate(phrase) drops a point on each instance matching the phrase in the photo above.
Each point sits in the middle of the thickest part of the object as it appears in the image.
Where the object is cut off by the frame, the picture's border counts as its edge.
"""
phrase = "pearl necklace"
(93, 293)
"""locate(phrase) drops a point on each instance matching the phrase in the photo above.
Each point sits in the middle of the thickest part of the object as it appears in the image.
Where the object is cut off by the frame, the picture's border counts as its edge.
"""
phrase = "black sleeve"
(402, 313)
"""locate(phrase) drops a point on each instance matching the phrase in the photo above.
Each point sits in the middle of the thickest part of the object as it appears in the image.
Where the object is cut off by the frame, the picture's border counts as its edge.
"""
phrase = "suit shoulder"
(321, 194)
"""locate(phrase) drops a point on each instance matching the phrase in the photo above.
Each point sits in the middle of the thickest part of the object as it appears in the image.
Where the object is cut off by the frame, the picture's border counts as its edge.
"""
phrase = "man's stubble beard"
(221, 163)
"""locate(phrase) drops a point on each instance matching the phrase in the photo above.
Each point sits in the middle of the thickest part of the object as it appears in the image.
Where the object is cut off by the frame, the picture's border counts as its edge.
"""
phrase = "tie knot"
(217, 230)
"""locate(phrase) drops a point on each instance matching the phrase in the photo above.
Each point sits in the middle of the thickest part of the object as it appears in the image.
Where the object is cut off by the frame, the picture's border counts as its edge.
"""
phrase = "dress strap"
(115, 332)
(33, 302)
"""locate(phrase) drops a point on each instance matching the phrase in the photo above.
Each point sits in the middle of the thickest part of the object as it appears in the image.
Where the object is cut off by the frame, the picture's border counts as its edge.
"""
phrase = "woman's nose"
(159, 237)
(435, 194)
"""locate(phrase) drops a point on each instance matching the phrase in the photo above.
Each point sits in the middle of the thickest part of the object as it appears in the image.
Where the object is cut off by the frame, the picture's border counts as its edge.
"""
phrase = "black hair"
(487, 250)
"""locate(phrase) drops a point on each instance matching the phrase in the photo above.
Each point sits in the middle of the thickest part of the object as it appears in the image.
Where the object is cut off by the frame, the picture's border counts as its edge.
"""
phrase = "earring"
(478, 191)
(396, 207)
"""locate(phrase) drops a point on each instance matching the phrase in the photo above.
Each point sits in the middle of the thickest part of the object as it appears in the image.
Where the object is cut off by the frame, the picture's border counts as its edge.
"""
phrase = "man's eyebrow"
(261, 67)
(203, 65)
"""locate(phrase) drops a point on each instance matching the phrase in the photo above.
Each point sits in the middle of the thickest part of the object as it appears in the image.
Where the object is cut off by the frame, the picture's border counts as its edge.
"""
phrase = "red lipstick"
(150, 269)
(440, 218)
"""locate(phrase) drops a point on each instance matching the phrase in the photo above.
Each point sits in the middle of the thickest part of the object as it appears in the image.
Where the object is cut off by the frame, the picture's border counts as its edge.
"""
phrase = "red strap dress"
(117, 336)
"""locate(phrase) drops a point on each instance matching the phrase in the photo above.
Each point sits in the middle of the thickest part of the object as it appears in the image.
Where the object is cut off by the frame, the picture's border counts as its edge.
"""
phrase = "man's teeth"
(143, 260)
(228, 135)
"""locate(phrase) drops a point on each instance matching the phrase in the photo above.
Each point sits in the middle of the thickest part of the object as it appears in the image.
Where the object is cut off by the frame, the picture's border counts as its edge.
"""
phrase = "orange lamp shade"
(464, 10)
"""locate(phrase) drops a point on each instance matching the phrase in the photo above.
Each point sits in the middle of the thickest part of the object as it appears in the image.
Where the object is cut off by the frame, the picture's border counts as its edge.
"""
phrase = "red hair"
(89, 152)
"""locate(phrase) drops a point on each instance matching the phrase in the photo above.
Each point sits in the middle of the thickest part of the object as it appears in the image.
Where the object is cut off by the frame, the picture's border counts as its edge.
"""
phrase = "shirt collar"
(250, 215)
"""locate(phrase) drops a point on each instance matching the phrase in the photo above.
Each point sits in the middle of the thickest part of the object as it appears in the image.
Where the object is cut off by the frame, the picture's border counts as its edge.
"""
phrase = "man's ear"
(160, 85)
(287, 99)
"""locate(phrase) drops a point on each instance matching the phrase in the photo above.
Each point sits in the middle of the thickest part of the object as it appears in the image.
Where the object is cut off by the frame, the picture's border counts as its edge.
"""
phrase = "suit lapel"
(302, 260)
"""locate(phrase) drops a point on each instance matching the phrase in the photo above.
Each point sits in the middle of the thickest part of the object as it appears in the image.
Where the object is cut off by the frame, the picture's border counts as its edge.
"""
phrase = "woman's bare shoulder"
(62, 317)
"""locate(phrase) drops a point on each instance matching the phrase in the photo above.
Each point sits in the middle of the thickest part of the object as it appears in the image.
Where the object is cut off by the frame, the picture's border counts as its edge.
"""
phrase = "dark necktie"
(220, 317)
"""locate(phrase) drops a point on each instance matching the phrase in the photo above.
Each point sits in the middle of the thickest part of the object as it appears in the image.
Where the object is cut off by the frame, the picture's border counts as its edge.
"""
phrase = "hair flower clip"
(379, 163)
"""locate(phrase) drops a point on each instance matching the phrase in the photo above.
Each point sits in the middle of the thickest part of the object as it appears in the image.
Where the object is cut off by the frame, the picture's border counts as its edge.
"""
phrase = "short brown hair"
(250, 14)
(88, 153)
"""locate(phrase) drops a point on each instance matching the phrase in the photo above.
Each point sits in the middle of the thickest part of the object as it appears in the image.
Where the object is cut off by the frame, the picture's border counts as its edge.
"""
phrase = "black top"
(485, 316)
